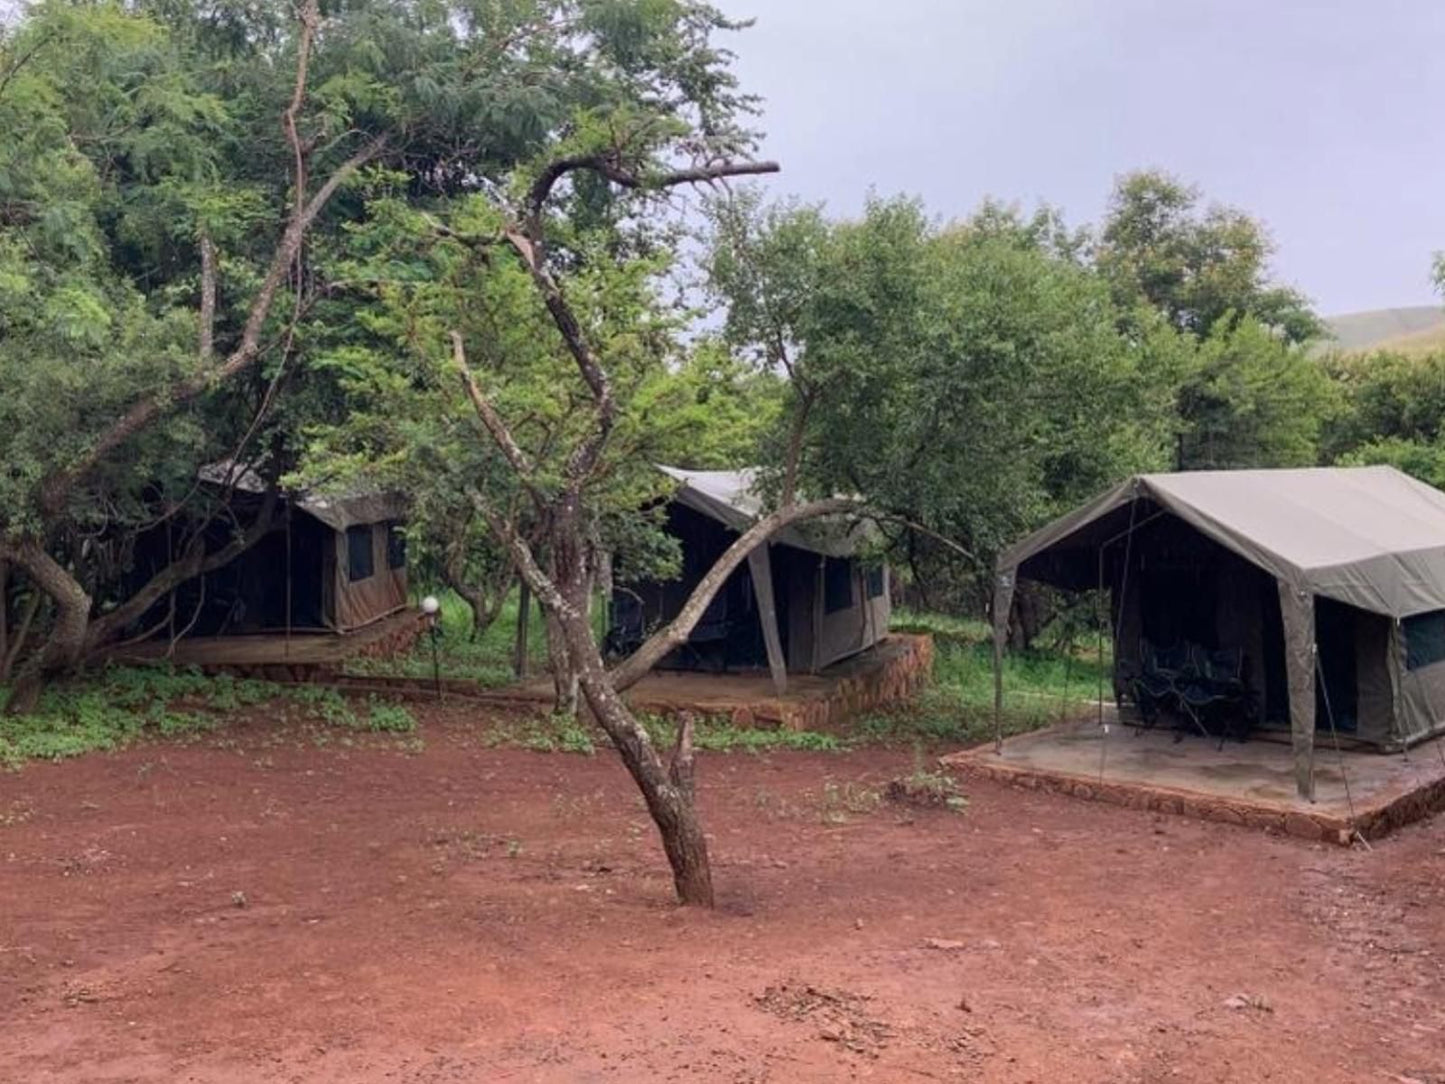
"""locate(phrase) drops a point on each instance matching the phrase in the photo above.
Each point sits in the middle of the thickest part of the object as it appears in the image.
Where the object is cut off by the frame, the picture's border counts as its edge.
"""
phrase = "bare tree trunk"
(564, 675)
(484, 599)
(668, 791)
(1031, 613)
(195, 561)
(64, 648)
(476, 601)
(605, 587)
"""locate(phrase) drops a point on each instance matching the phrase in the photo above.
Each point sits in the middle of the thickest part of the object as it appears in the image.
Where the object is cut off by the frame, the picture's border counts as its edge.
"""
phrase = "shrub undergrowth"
(126, 704)
(122, 705)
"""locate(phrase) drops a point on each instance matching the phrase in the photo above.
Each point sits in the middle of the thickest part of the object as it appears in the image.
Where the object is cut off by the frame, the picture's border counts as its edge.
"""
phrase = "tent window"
(837, 584)
(1424, 639)
(360, 563)
(873, 581)
(395, 546)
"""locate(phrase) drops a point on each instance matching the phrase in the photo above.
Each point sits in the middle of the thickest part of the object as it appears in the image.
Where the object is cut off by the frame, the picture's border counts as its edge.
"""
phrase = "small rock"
(238, 899)
(857, 923)
(963, 1004)
(1248, 1001)
(942, 945)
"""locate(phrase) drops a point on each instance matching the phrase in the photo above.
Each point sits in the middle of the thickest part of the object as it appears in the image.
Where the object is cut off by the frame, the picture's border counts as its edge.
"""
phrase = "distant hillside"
(1415, 330)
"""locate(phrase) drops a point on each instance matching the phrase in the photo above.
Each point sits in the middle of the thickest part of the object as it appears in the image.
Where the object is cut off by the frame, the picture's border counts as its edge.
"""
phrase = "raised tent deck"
(301, 656)
(1250, 783)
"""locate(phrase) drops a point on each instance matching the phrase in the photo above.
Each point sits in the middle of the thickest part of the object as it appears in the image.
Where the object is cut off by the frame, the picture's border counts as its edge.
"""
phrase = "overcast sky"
(1326, 119)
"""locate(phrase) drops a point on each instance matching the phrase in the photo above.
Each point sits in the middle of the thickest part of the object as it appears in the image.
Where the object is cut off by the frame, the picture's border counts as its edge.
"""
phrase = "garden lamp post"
(431, 609)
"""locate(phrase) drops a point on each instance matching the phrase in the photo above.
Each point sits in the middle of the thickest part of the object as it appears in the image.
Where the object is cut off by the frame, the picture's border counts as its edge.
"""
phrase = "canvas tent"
(1331, 580)
(801, 602)
(332, 562)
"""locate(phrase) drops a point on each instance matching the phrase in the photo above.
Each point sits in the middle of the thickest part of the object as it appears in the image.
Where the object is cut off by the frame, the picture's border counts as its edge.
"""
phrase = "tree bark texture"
(66, 644)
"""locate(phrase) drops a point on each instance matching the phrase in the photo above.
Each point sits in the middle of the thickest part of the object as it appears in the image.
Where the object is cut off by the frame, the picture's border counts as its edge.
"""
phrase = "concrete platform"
(1249, 783)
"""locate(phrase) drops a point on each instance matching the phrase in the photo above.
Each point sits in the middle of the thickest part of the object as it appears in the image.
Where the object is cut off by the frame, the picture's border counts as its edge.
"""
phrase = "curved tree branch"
(675, 633)
(56, 489)
(194, 562)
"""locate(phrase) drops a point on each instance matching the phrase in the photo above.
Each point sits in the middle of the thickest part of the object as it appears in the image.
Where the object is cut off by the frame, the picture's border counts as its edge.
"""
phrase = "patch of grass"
(544, 732)
(1041, 687)
(717, 734)
(942, 627)
(487, 660)
(926, 786)
(384, 717)
(122, 705)
(839, 802)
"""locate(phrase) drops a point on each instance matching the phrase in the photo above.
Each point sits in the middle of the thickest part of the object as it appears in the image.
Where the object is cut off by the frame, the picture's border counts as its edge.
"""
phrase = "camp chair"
(629, 628)
(1217, 679)
(1156, 683)
(706, 647)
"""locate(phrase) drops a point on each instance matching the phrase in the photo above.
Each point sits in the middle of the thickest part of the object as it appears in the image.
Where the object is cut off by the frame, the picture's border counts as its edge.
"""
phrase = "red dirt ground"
(273, 911)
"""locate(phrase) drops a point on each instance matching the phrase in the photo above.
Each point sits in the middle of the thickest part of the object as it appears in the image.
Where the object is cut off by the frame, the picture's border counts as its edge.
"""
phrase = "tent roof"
(338, 510)
(731, 498)
(1371, 537)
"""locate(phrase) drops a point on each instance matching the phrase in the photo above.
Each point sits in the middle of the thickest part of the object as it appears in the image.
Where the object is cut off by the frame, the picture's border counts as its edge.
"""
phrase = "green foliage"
(1252, 400)
(1200, 267)
(927, 786)
(1042, 686)
(1393, 413)
(942, 627)
(487, 660)
(970, 378)
(128, 704)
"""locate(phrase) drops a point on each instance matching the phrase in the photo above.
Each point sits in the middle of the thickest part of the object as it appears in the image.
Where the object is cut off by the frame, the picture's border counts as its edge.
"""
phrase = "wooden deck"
(300, 656)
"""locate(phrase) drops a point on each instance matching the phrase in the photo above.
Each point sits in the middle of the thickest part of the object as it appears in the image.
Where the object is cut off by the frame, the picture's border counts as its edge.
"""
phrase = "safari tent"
(800, 603)
(1329, 582)
(330, 563)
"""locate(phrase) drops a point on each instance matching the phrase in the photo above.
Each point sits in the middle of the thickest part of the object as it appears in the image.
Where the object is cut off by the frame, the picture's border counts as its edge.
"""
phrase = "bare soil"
(265, 910)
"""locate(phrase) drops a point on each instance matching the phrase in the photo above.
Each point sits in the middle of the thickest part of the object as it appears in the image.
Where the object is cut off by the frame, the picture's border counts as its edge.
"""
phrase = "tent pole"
(287, 651)
(1100, 626)
(1003, 590)
(998, 687)
(1339, 753)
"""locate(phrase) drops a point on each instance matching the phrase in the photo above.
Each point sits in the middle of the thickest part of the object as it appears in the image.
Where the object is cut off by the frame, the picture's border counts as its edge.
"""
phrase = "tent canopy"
(1371, 537)
(362, 565)
(732, 498)
(815, 601)
(338, 510)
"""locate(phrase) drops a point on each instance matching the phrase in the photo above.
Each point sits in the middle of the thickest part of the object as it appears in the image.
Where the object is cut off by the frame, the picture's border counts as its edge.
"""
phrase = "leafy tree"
(508, 338)
(1392, 411)
(116, 202)
(185, 167)
(967, 381)
(1251, 400)
(1197, 265)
